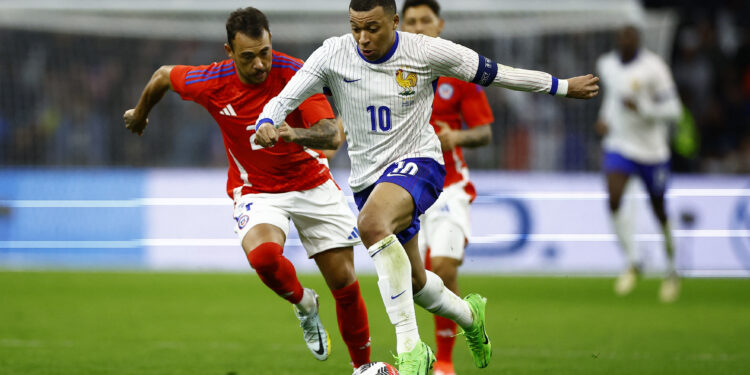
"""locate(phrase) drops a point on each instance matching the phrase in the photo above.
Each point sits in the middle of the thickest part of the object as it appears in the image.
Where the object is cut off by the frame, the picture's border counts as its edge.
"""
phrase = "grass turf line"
(230, 324)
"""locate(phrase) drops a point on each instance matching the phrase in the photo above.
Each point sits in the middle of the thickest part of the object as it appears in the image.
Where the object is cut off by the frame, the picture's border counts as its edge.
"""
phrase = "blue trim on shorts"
(654, 176)
(422, 177)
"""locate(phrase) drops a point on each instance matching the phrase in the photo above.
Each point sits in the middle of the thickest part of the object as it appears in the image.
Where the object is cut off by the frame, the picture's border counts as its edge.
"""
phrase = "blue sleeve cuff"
(553, 90)
(263, 121)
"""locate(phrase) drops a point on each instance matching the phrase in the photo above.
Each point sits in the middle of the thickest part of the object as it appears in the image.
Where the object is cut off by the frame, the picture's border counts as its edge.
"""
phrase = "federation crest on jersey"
(445, 91)
(635, 85)
(242, 221)
(408, 82)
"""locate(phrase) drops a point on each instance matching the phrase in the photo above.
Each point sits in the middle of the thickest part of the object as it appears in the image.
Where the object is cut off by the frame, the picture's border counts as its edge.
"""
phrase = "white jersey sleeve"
(454, 60)
(309, 80)
(663, 103)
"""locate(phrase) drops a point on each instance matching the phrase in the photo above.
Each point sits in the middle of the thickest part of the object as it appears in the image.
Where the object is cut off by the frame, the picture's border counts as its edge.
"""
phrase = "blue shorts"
(654, 176)
(422, 177)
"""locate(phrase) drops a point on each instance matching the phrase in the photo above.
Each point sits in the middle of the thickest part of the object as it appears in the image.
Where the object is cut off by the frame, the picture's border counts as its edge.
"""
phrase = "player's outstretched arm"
(323, 135)
(307, 81)
(136, 118)
(583, 87)
(342, 137)
(454, 60)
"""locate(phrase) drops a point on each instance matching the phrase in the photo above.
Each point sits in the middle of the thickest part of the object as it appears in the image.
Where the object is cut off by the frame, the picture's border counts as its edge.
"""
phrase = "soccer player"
(445, 226)
(640, 102)
(271, 185)
(382, 82)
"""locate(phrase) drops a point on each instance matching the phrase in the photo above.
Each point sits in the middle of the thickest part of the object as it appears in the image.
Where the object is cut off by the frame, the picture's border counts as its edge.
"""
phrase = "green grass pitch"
(195, 323)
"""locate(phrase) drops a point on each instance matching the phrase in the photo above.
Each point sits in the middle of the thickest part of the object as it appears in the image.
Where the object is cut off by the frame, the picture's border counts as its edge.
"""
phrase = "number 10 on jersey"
(383, 121)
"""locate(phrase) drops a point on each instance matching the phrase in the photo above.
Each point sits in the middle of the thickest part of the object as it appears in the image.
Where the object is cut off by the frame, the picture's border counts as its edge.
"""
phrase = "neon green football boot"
(476, 336)
(418, 361)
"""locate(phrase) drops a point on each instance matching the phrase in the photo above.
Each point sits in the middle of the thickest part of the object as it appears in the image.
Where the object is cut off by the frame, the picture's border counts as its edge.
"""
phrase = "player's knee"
(657, 203)
(614, 205)
(342, 276)
(371, 228)
(265, 257)
(342, 280)
(661, 215)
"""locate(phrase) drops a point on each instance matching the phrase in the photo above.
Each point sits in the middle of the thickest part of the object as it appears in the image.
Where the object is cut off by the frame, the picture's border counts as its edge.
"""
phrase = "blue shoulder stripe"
(292, 67)
(187, 82)
(222, 66)
(208, 72)
(282, 57)
(288, 61)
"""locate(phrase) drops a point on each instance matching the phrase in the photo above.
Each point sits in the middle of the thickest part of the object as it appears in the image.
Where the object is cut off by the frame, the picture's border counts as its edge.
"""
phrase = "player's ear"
(228, 49)
(441, 23)
(395, 21)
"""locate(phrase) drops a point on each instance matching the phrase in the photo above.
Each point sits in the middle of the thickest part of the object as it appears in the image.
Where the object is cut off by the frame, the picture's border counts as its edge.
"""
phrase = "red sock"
(353, 325)
(427, 261)
(445, 330)
(276, 271)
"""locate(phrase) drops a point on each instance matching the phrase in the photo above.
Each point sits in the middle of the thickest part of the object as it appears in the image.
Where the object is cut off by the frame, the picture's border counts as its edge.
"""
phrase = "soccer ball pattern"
(376, 368)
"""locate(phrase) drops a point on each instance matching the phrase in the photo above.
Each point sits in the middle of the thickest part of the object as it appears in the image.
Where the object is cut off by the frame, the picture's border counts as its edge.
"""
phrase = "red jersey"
(234, 105)
(458, 102)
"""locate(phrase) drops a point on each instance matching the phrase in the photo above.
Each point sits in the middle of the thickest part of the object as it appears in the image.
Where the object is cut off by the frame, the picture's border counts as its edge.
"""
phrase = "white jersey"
(386, 104)
(642, 136)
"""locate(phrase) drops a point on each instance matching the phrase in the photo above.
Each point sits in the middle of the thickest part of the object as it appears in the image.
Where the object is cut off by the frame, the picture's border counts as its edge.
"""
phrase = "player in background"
(446, 226)
(382, 82)
(271, 185)
(640, 102)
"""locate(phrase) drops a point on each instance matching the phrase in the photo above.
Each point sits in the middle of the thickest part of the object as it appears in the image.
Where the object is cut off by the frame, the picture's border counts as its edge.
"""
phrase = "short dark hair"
(415, 3)
(365, 5)
(249, 21)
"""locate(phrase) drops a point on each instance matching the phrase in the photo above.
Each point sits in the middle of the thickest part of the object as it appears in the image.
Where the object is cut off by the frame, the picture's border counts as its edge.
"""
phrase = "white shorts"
(445, 225)
(321, 215)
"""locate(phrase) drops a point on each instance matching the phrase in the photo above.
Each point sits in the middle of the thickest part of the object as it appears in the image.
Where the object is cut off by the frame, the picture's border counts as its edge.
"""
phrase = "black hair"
(365, 5)
(432, 4)
(249, 21)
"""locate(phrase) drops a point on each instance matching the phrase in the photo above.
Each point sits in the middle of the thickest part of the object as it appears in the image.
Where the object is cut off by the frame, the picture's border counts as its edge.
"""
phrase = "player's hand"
(287, 133)
(601, 128)
(446, 135)
(583, 87)
(630, 104)
(267, 135)
(133, 123)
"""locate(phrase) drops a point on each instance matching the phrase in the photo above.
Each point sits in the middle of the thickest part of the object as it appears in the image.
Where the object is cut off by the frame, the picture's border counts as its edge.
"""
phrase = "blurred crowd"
(711, 66)
(63, 96)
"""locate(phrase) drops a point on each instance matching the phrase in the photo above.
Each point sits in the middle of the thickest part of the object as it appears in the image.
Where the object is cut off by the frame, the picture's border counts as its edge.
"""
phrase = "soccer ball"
(376, 368)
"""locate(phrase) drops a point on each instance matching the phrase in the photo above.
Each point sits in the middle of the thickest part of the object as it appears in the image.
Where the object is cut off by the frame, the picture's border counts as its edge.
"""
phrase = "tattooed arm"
(324, 135)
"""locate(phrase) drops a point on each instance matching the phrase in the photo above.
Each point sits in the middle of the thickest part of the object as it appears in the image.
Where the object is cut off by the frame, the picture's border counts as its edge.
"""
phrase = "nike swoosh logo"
(486, 339)
(351, 80)
(320, 350)
(398, 295)
(382, 247)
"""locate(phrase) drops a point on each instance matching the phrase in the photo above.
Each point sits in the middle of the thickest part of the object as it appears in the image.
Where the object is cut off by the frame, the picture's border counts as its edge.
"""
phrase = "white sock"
(307, 303)
(441, 301)
(394, 281)
(622, 222)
